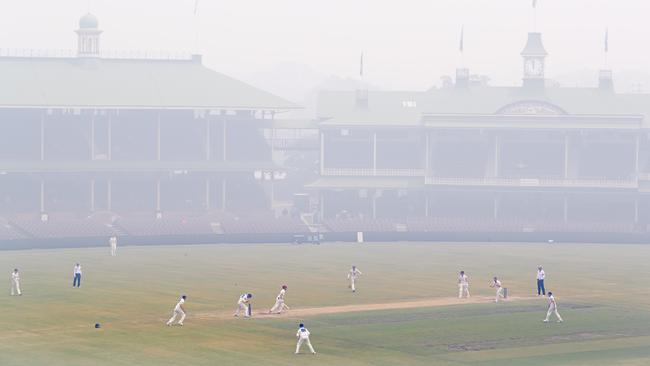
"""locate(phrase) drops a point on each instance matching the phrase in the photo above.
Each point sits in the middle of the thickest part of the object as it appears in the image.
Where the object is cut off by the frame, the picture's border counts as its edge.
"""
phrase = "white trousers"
(352, 281)
(113, 250)
(463, 290)
(15, 288)
(552, 310)
(278, 307)
(176, 313)
(499, 294)
(242, 307)
(305, 341)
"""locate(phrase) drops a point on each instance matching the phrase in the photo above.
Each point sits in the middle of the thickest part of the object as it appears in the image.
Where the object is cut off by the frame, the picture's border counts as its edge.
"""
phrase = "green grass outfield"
(603, 293)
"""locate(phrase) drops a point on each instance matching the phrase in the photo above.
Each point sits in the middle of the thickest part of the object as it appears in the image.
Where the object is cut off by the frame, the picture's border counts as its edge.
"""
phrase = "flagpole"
(462, 46)
(606, 47)
(196, 28)
(361, 67)
(534, 15)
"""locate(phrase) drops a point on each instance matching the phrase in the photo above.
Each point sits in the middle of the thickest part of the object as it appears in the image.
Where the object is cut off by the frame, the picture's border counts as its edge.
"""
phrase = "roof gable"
(122, 83)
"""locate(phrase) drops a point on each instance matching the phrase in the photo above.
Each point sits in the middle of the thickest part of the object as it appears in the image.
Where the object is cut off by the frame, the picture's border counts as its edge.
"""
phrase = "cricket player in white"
(463, 285)
(179, 309)
(243, 305)
(353, 275)
(76, 282)
(279, 302)
(15, 283)
(113, 243)
(541, 276)
(303, 337)
(497, 285)
(552, 308)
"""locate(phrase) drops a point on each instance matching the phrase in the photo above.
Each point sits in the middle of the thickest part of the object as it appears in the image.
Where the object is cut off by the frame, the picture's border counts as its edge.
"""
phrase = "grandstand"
(469, 157)
(95, 144)
(99, 143)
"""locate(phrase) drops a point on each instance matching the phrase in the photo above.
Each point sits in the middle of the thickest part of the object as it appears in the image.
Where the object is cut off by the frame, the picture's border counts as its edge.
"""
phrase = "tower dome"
(88, 21)
(88, 36)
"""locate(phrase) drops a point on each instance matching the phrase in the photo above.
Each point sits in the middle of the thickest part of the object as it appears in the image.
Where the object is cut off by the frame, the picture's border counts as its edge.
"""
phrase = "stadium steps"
(20, 231)
(119, 230)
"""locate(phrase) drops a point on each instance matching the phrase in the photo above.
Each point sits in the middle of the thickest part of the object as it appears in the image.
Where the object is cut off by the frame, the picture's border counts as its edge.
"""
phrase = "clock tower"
(534, 56)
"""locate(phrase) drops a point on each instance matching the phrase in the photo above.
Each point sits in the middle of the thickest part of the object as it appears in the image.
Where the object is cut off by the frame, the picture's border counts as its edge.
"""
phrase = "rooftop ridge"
(105, 54)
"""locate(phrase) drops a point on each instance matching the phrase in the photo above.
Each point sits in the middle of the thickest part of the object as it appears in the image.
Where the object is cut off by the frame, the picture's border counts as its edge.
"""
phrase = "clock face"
(534, 67)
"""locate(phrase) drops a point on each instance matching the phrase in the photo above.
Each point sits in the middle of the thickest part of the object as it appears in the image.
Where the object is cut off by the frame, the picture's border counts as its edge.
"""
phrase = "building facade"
(474, 157)
(129, 134)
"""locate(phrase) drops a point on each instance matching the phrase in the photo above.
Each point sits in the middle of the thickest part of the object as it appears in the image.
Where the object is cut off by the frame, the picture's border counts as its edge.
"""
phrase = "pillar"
(207, 194)
(566, 209)
(92, 136)
(374, 205)
(426, 154)
(566, 156)
(158, 138)
(92, 195)
(322, 204)
(374, 153)
(225, 130)
(636, 210)
(42, 196)
(109, 194)
(110, 136)
(157, 196)
(224, 206)
(497, 152)
(426, 204)
(322, 153)
(208, 138)
(43, 136)
(495, 214)
(636, 156)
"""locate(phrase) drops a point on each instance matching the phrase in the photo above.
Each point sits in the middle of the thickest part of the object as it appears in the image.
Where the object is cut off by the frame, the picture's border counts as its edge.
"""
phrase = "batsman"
(244, 305)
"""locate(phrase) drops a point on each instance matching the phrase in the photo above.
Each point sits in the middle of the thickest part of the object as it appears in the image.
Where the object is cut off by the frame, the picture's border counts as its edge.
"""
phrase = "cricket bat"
(505, 292)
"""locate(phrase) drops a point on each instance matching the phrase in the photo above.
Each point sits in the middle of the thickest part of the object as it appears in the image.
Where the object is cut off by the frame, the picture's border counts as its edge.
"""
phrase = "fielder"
(113, 244)
(463, 285)
(552, 308)
(279, 302)
(353, 275)
(15, 283)
(497, 285)
(541, 276)
(244, 304)
(179, 309)
(303, 337)
(76, 282)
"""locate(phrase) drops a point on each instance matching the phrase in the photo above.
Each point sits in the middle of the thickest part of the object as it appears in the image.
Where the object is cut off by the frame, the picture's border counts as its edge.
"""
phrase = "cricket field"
(404, 312)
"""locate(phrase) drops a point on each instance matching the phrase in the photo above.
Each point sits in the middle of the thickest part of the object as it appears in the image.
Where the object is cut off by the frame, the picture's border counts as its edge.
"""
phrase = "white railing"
(644, 176)
(341, 172)
(107, 54)
(527, 182)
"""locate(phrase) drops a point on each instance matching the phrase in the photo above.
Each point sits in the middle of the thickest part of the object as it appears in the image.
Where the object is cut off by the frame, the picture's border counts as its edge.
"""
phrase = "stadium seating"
(8, 231)
(105, 224)
(63, 225)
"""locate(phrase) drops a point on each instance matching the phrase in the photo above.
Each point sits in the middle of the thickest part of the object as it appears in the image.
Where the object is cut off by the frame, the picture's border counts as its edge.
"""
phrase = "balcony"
(528, 182)
(355, 172)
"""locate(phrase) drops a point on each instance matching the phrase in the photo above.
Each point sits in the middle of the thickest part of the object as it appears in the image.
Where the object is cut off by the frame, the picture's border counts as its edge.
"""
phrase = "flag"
(606, 40)
(462, 39)
(196, 7)
(534, 3)
(361, 66)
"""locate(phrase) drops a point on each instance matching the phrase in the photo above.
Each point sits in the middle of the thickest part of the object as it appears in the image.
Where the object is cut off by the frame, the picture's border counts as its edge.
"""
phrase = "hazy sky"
(408, 44)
